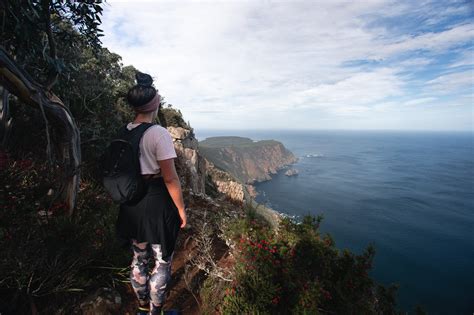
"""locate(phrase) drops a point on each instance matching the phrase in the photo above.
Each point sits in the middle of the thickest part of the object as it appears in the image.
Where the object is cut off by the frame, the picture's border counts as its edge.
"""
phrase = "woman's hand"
(182, 215)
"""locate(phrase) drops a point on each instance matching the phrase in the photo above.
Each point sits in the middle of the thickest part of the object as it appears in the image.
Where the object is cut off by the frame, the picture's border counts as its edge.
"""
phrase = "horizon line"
(385, 130)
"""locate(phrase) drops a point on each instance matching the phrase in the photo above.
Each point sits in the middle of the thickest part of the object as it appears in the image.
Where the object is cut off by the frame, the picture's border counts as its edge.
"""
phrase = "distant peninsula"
(247, 160)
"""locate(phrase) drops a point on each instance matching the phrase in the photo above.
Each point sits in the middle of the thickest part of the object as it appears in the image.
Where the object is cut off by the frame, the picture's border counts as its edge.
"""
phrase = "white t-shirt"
(155, 145)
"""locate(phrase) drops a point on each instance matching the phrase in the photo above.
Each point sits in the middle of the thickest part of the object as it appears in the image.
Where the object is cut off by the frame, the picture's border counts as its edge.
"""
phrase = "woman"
(153, 223)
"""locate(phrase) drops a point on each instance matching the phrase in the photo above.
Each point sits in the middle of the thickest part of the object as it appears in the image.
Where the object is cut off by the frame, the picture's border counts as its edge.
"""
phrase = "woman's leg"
(159, 278)
(139, 272)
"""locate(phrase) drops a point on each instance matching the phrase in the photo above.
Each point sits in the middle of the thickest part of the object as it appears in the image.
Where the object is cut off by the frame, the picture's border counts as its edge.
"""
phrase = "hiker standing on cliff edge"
(152, 224)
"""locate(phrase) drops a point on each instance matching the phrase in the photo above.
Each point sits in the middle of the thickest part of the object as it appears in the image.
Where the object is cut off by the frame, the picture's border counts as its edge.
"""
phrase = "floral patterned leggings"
(150, 287)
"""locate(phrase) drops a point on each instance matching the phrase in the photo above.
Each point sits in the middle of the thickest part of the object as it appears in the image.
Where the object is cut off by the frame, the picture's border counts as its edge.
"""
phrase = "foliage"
(47, 256)
(298, 271)
(171, 117)
(33, 30)
(58, 43)
(95, 91)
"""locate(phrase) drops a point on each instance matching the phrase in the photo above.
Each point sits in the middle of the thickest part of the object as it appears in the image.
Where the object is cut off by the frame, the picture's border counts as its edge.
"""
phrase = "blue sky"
(403, 65)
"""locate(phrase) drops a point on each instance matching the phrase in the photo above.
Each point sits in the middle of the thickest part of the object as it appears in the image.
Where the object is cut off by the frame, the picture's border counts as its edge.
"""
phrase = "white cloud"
(418, 101)
(432, 41)
(239, 57)
(465, 58)
(415, 62)
(453, 82)
(359, 89)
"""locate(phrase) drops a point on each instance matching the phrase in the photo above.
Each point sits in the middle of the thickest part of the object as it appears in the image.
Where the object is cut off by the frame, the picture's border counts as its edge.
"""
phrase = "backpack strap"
(134, 134)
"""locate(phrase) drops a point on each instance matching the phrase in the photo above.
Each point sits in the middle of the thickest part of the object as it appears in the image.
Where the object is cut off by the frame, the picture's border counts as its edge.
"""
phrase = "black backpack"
(120, 166)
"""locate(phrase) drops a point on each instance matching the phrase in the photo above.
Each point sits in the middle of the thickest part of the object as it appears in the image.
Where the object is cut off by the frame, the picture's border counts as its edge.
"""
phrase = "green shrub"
(171, 117)
(296, 271)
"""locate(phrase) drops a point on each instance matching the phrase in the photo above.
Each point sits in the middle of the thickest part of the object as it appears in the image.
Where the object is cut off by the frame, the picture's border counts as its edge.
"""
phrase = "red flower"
(327, 295)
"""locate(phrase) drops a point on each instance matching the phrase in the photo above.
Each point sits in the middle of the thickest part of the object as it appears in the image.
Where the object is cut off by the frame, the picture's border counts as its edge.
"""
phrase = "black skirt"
(154, 219)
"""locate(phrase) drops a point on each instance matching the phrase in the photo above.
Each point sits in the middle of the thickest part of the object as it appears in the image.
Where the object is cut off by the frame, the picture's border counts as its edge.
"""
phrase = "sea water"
(411, 194)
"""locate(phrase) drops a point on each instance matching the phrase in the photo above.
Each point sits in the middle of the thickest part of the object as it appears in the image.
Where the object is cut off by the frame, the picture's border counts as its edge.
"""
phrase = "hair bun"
(144, 79)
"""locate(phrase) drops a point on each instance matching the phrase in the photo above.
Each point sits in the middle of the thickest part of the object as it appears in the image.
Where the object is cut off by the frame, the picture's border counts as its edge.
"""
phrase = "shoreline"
(272, 216)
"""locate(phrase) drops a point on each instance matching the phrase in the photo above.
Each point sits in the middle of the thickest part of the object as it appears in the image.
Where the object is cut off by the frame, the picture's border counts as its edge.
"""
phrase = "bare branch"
(204, 259)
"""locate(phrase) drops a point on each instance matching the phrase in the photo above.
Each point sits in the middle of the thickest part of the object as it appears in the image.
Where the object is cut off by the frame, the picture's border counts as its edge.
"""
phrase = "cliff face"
(246, 160)
(225, 184)
(190, 165)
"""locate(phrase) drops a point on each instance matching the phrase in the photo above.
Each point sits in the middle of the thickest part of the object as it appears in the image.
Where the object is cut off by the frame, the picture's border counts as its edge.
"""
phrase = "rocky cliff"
(199, 176)
(247, 160)
(190, 164)
(222, 182)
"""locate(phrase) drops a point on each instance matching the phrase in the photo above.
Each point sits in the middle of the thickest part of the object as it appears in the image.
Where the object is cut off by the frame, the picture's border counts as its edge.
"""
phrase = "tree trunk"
(67, 141)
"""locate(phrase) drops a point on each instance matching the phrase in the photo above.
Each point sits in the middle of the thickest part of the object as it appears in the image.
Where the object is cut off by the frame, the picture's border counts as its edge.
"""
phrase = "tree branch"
(67, 142)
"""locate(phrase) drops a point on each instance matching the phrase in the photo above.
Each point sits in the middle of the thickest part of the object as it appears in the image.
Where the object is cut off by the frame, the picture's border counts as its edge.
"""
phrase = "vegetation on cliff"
(296, 271)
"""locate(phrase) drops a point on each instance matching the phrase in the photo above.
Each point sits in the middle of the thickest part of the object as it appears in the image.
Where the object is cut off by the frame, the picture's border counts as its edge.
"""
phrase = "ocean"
(411, 194)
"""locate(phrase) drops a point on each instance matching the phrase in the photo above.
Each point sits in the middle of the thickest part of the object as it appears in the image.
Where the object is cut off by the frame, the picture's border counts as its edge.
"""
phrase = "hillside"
(247, 160)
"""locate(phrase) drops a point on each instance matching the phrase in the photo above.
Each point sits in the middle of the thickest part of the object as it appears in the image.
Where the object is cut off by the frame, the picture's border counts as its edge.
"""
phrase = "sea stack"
(291, 172)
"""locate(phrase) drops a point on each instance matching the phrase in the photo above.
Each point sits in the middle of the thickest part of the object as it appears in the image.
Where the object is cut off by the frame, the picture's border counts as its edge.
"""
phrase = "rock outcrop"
(190, 164)
(225, 184)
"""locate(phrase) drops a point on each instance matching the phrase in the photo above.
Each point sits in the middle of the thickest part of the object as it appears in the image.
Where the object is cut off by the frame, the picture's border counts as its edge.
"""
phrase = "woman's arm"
(174, 187)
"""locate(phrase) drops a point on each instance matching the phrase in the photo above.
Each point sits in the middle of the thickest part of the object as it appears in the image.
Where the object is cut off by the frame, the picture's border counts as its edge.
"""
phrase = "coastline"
(272, 216)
